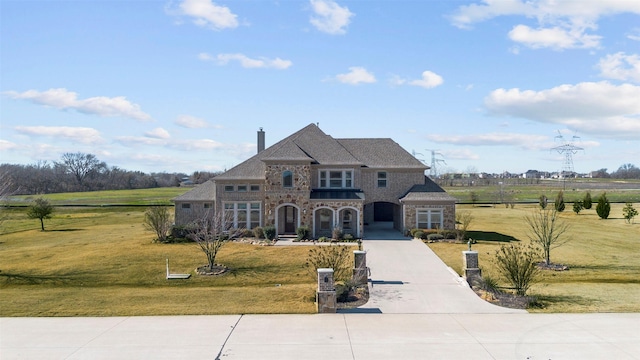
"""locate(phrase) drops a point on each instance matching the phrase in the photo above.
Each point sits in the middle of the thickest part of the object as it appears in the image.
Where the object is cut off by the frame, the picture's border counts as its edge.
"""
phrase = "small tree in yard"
(559, 204)
(629, 212)
(546, 231)
(577, 207)
(463, 219)
(474, 198)
(586, 202)
(208, 232)
(40, 209)
(603, 208)
(543, 201)
(516, 263)
(159, 220)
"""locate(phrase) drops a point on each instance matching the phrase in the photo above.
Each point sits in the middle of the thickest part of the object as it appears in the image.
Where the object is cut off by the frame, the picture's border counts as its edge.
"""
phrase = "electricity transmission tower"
(433, 171)
(568, 149)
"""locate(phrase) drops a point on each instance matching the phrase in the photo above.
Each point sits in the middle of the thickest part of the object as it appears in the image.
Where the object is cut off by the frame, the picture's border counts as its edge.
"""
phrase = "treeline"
(626, 171)
(85, 172)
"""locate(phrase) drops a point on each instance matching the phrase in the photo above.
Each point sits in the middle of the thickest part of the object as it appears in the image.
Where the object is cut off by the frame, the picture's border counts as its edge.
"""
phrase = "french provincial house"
(312, 179)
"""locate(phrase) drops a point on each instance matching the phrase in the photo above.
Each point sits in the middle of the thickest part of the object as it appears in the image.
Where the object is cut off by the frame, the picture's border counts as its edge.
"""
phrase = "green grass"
(602, 255)
(102, 262)
(154, 196)
(617, 190)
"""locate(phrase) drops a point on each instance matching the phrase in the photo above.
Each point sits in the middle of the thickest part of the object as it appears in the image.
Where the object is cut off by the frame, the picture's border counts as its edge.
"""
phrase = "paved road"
(326, 336)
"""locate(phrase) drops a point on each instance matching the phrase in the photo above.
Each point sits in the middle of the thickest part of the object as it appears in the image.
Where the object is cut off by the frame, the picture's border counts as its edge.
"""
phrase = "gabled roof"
(427, 191)
(204, 191)
(381, 153)
(313, 145)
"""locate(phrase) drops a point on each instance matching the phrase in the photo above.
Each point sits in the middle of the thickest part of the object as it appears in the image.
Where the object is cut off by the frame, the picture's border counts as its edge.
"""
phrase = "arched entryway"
(349, 221)
(287, 219)
(323, 222)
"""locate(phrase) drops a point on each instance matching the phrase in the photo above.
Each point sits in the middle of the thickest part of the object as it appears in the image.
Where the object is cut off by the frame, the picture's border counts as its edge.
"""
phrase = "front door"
(289, 220)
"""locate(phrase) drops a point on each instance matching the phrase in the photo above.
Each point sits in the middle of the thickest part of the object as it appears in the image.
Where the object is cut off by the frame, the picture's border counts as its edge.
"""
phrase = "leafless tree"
(463, 220)
(159, 220)
(547, 231)
(211, 231)
(80, 165)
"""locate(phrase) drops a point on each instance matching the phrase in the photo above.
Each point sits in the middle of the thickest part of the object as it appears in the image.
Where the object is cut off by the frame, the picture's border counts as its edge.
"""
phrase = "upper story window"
(287, 179)
(208, 205)
(242, 187)
(382, 179)
(255, 187)
(336, 179)
(229, 188)
(186, 206)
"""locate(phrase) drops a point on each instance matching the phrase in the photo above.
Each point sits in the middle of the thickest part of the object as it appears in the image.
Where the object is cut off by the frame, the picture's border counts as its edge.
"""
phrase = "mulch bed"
(217, 269)
(356, 298)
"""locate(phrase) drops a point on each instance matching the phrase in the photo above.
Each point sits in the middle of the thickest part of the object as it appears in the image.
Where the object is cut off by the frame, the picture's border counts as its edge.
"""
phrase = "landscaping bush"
(435, 237)
(577, 207)
(516, 263)
(302, 233)
(336, 234)
(347, 237)
(543, 202)
(418, 234)
(269, 232)
(258, 233)
(629, 212)
(323, 239)
(559, 203)
(586, 202)
(334, 257)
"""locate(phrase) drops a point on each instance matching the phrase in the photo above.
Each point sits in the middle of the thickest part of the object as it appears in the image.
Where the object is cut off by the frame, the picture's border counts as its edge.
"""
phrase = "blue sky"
(181, 86)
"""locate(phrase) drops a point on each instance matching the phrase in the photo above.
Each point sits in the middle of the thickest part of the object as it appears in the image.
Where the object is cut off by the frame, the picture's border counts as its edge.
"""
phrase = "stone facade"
(449, 214)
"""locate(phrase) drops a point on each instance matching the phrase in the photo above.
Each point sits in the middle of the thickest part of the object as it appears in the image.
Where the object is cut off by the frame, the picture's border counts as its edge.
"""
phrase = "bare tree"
(159, 220)
(463, 220)
(211, 231)
(80, 165)
(547, 231)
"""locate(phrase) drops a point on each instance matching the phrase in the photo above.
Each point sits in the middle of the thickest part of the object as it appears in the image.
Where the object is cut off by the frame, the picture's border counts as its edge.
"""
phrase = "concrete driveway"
(408, 278)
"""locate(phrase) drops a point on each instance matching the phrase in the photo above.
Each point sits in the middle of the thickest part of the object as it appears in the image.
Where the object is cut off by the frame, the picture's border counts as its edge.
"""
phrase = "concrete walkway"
(408, 278)
(330, 336)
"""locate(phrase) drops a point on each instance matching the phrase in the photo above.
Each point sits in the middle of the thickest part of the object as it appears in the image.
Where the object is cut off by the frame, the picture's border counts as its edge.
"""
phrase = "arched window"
(287, 179)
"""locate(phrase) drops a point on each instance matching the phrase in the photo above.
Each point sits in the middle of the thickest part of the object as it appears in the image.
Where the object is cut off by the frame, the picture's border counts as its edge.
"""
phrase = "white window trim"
(327, 178)
(248, 210)
(429, 211)
(386, 179)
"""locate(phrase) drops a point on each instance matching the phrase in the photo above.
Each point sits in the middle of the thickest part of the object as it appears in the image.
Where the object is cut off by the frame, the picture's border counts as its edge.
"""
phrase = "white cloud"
(140, 140)
(600, 108)
(429, 80)
(620, 66)
(191, 122)
(76, 134)
(460, 154)
(206, 13)
(7, 145)
(525, 141)
(561, 24)
(356, 75)
(100, 105)
(330, 17)
(555, 37)
(158, 133)
(247, 62)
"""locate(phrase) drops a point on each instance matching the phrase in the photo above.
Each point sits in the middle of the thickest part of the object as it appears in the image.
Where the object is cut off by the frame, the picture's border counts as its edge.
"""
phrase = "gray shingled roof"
(381, 153)
(204, 191)
(427, 191)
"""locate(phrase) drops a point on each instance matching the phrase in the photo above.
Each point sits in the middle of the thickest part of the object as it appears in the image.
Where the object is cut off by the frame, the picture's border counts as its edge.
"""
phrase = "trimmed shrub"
(258, 233)
(348, 237)
(516, 263)
(435, 237)
(336, 234)
(418, 234)
(543, 201)
(577, 207)
(269, 232)
(302, 233)
(559, 204)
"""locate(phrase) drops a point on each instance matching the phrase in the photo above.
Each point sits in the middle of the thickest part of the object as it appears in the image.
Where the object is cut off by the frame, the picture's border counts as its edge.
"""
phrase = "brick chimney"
(260, 140)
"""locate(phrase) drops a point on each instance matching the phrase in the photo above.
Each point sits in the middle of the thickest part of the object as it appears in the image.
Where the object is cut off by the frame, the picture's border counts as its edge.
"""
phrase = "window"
(325, 219)
(287, 179)
(429, 219)
(242, 188)
(208, 205)
(255, 187)
(228, 188)
(347, 220)
(186, 206)
(336, 179)
(242, 215)
(382, 179)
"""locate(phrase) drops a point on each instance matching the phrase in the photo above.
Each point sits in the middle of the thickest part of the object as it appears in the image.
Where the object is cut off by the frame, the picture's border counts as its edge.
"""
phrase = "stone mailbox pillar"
(470, 265)
(326, 294)
(360, 273)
